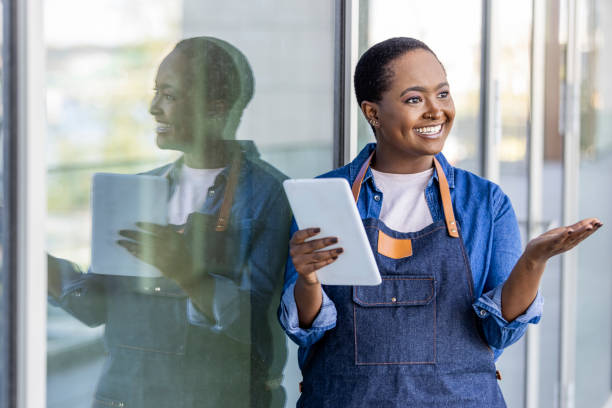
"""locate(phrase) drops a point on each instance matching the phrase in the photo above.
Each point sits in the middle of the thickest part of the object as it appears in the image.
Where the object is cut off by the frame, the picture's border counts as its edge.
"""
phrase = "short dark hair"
(373, 74)
(218, 70)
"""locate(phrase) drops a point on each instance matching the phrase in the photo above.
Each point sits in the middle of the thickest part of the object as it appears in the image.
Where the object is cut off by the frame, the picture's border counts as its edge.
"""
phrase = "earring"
(373, 122)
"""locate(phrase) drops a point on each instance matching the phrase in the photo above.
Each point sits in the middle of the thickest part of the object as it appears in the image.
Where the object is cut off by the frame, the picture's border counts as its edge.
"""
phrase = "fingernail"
(316, 230)
(570, 231)
(339, 250)
(334, 257)
(333, 240)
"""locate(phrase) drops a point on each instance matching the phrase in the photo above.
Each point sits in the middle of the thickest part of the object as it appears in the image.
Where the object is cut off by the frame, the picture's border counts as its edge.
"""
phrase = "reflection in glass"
(202, 332)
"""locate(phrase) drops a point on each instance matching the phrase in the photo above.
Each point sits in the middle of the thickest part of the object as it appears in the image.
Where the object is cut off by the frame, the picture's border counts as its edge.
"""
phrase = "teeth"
(428, 130)
(162, 127)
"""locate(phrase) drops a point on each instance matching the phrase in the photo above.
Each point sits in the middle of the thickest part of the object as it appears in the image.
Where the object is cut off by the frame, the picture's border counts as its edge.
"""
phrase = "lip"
(431, 135)
(163, 127)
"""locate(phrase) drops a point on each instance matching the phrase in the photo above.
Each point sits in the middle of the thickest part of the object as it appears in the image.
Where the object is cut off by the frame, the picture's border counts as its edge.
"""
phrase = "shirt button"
(393, 299)
(376, 197)
(211, 192)
(77, 292)
(483, 312)
(158, 289)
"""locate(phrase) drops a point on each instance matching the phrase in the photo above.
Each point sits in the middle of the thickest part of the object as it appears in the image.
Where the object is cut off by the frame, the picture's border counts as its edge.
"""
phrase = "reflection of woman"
(456, 289)
(201, 336)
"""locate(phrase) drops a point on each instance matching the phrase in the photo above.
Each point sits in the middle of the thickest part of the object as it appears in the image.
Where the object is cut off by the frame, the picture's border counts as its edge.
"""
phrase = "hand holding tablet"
(328, 205)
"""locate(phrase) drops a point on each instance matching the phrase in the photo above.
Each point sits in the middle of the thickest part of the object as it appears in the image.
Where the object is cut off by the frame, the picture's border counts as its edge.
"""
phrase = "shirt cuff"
(489, 304)
(288, 317)
(225, 306)
(72, 282)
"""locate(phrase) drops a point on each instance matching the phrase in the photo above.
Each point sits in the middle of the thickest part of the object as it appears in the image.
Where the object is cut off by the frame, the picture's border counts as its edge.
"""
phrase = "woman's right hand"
(307, 257)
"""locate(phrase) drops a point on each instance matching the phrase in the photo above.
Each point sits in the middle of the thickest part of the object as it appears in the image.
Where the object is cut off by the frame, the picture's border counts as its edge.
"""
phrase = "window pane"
(512, 81)
(460, 54)
(204, 333)
(594, 314)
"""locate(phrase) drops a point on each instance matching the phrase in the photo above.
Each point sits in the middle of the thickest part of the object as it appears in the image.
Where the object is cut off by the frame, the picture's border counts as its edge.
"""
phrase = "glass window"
(594, 307)
(512, 24)
(460, 54)
(212, 105)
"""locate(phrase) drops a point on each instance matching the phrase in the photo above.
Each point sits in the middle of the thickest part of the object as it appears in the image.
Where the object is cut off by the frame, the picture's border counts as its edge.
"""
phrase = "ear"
(370, 110)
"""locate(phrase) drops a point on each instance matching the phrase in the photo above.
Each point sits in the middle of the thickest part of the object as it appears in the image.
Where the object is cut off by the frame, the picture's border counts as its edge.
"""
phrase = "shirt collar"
(247, 150)
(356, 164)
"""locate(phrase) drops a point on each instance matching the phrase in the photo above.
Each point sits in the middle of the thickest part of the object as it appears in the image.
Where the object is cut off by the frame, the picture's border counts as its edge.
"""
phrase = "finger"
(132, 247)
(315, 257)
(316, 266)
(153, 228)
(311, 246)
(136, 235)
(302, 235)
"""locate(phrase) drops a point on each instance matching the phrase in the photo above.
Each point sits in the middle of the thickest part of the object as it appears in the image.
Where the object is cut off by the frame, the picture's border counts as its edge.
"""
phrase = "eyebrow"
(422, 89)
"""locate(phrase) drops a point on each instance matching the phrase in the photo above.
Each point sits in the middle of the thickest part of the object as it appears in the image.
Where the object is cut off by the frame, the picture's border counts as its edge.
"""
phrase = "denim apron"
(412, 341)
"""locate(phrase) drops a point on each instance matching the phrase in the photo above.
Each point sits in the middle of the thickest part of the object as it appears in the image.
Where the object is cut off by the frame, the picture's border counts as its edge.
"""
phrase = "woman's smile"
(430, 132)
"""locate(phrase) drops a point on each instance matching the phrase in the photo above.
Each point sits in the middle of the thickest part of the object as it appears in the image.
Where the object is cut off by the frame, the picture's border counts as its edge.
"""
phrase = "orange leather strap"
(228, 196)
(362, 171)
(449, 215)
(447, 205)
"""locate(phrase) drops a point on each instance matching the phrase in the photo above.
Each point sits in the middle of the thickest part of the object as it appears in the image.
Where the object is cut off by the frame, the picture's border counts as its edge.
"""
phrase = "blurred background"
(531, 84)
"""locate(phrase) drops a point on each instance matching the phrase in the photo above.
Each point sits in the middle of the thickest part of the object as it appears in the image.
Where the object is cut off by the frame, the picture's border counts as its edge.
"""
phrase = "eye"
(413, 100)
(443, 94)
(169, 97)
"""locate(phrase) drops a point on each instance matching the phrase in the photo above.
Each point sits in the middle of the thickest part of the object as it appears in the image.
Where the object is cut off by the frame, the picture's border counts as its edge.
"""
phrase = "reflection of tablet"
(118, 202)
(329, 204)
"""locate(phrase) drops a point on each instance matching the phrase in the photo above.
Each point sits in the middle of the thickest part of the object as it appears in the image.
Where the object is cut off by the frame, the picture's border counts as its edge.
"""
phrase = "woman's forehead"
(418, 68)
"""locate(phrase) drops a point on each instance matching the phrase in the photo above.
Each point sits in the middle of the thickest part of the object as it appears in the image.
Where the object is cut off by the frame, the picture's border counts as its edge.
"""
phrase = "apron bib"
(412, 341)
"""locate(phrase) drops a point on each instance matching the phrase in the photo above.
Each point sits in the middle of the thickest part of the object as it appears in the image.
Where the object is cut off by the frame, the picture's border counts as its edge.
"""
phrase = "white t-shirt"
(190, 193)
(404, 207)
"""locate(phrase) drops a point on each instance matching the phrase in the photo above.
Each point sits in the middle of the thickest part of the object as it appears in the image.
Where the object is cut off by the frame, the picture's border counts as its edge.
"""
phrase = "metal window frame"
(345, 111)
(24, 106)
(571, 163)
(535, 176)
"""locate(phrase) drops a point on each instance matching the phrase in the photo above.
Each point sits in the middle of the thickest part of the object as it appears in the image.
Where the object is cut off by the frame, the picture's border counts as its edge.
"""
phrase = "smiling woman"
(430, 333)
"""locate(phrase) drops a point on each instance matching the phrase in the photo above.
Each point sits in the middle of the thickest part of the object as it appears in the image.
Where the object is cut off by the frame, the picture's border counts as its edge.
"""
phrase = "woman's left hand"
(559, 240)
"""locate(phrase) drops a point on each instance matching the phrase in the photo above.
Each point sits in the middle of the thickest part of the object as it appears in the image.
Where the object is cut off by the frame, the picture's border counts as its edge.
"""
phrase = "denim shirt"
(153, 320)
(490, 234)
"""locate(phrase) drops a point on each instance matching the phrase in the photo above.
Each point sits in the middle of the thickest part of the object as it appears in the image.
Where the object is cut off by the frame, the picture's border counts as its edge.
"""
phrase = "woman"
(202, 335)
(456, 289)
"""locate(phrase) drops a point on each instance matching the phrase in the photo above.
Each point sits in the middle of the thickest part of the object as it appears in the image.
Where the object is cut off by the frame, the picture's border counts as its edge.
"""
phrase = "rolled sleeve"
(498, 331)
(73, 282)
(288, 317)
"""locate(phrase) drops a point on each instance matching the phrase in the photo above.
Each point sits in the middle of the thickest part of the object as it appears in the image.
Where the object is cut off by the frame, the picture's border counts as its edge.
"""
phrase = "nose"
(433, 110)
(154, 108)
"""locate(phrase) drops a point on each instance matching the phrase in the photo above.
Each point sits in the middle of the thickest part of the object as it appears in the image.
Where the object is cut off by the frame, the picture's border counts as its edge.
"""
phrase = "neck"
(211, 156)
(391, 161)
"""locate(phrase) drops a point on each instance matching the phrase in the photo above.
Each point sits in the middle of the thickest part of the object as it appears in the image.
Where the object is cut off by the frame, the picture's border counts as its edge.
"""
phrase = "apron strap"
(447, 206)
(228, 196)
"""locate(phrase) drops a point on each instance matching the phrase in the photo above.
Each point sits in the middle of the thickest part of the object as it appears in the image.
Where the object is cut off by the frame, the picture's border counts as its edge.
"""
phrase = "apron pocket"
(395, 322)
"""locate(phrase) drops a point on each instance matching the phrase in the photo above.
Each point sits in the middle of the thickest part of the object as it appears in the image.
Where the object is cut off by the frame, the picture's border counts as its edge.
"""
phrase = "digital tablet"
(118, 202)
(329, 204)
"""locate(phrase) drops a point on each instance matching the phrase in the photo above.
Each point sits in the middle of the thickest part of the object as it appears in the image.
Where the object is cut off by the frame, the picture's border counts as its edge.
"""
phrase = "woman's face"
(172, 105)
(416, 113)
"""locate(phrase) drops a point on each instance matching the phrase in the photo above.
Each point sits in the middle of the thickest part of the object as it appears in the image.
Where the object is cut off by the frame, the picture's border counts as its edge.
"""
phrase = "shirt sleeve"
(82, 294)
(288, 315)
(505, 252)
